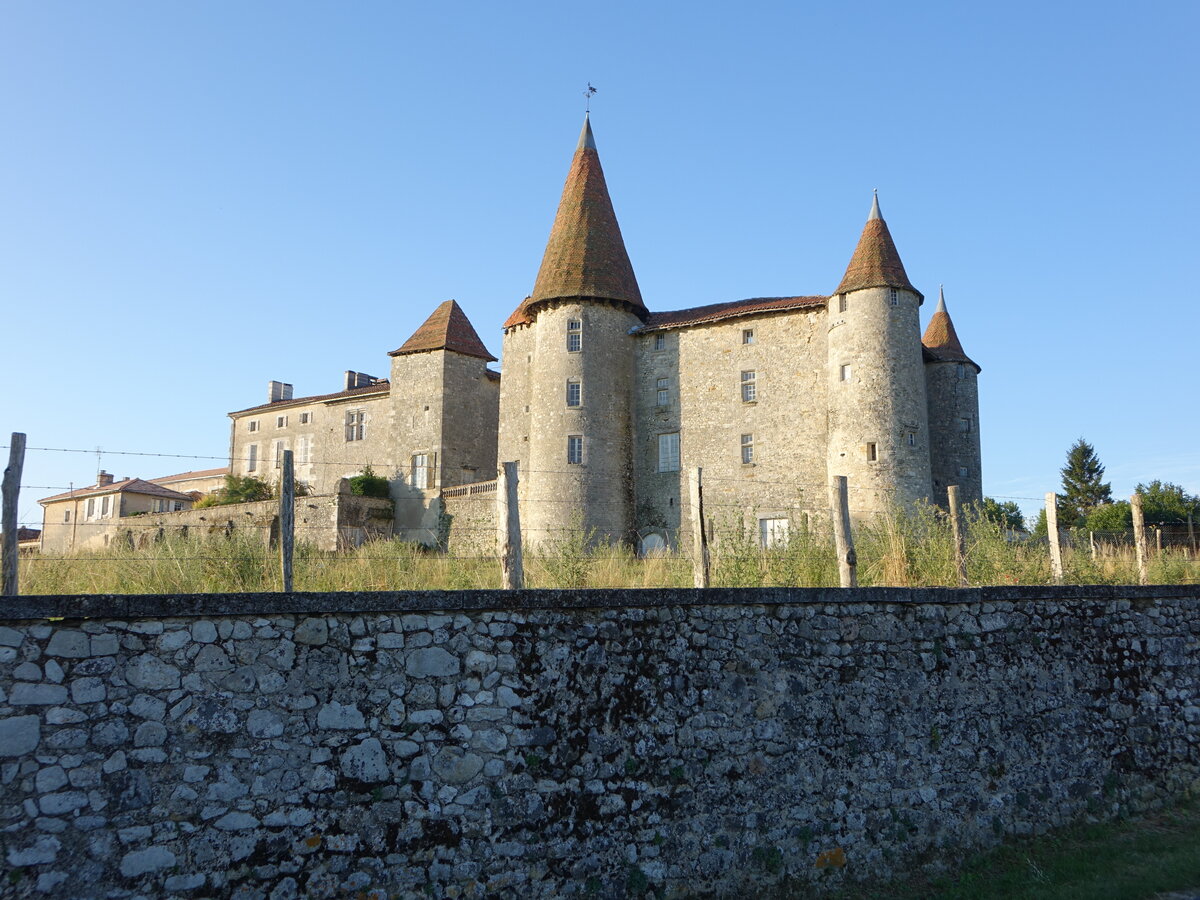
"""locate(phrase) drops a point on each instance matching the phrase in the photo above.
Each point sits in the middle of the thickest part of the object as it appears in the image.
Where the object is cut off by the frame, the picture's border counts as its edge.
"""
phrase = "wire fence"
(235, 547)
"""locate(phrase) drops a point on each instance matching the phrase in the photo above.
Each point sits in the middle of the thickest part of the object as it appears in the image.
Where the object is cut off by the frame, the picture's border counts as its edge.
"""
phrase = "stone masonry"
(555, 744)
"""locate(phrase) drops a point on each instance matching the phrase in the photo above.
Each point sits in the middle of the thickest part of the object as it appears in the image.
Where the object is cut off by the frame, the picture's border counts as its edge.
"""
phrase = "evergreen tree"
(1083, 489)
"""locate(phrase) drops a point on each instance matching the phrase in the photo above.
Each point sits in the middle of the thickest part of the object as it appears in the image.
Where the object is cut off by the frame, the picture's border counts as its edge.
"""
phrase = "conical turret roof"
(447, 329)
(585, 256)
(875, 262)
(941, 341)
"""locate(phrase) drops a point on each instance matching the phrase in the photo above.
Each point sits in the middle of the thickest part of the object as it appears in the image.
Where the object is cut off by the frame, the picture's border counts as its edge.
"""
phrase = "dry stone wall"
(556, 744)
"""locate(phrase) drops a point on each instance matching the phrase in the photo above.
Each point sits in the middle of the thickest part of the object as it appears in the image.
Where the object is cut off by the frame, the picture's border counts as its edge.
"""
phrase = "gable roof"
(585, 255)
(448, 328)
(941, 341)
(876, 262)
(382, 386)
(127, 486)
(189, 476)
(715, 312)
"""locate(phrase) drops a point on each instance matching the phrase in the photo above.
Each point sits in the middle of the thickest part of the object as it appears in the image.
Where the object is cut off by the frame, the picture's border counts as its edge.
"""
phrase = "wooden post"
(508, 528)
(1158, 540)
(8, 522)
(960, 549)
(1191, 534)
(1056, 566)
(839, 497)
(287, 519)
(1139, 536)
(700, 560)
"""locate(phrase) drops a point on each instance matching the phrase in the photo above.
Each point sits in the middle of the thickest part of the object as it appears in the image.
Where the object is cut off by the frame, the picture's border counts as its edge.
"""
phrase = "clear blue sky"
(197, 198)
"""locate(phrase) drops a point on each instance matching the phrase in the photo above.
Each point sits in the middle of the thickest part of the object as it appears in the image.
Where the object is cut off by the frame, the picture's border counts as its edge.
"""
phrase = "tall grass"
(907, 550)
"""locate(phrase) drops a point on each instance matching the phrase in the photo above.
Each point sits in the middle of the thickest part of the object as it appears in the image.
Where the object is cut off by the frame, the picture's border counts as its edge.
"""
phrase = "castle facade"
(607, 406)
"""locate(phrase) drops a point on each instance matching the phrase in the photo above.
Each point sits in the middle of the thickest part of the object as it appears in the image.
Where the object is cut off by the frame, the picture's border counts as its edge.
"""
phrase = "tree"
(1164, 503)
(1083, 489)
(1116, 516)
(1006, 515)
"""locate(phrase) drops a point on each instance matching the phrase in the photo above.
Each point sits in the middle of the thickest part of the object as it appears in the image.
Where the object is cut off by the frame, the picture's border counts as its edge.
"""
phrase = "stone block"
(69, 645)
(431, 662)
(141, 862)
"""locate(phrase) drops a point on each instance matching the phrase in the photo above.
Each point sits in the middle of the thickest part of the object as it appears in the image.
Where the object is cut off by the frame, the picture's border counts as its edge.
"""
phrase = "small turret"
(878, 420)
(953, 395)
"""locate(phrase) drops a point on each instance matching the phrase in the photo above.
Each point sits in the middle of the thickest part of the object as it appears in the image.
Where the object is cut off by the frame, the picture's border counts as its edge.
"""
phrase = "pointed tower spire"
(876, 262)
(447, 329)
(585, 256)
(941, 341)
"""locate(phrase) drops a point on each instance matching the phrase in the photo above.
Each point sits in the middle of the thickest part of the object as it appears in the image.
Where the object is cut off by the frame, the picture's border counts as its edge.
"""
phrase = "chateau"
(606, 405)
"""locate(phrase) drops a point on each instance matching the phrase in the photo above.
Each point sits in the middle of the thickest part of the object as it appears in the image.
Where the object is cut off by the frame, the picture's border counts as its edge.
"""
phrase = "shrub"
(368, 484)
(238, 489)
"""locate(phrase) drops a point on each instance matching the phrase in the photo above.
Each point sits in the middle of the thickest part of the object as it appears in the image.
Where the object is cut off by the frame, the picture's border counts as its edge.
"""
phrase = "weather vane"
(588, 95)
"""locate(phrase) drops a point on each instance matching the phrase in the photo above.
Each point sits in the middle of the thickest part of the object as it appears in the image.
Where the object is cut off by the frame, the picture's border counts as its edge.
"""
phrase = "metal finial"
(588, 98)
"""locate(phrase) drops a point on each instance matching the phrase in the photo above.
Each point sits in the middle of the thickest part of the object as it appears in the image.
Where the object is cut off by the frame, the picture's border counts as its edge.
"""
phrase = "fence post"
(1056, 566)
(1191, 534)
(839, 496)
(700, 560)
(1158, 540)
(508, 525)
(960, 549)
(287, 519)
(1139, 536)
(11, 491)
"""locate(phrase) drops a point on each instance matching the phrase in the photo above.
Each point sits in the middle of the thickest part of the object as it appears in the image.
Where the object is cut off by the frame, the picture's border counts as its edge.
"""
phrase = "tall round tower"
(953, 390)
(878, 420)
(573, 395)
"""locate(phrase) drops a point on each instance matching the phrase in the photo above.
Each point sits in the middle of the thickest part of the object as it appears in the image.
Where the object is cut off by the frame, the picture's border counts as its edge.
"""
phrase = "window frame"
(872, 451)
(668, 452)
(749, 386)
(748, 336)
(846, 373)
(355, 424)
(843, 302)
(419, 470)
(574, 335)
(662, 392)
(251, 458)
(660, 341)
(747, 449)
(893, 296)
(281, 421)
(252, 426)
(575, 449)
(574, 392)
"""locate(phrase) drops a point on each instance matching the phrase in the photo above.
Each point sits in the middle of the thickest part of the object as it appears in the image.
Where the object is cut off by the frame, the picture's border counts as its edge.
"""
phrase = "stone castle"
(606, 405)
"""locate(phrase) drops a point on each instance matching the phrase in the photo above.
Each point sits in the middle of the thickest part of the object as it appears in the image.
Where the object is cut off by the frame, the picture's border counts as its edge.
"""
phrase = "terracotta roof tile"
(941, 342)
(447, 329)
(520, 315)
(585, 255)
(715, 312)
(188, 476)
(128, 486)
(876, 262)
(380, 387)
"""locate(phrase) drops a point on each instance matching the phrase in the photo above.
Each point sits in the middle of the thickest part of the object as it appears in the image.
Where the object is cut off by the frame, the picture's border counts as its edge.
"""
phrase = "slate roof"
(448, 328)
(715, 312)
(941, 342)
(127, 486)
(585, 255)
(876, 262)
(380, 387)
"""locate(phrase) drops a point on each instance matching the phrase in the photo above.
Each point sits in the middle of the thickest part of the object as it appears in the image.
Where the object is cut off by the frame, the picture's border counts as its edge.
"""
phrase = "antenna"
(588, 97)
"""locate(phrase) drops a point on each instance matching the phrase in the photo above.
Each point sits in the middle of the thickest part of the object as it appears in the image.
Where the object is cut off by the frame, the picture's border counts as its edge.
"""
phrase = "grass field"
(906, 551)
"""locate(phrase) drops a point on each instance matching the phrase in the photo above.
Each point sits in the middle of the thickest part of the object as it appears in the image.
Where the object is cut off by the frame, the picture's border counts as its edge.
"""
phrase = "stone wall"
(952, 390)
(555, 744)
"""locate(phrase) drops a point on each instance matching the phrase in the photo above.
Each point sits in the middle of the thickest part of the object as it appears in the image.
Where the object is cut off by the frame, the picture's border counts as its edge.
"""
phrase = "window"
(420, 471)
(252, 425)
(747, 335)
(961, 371)
(574, 392)
(91, 508)
(575, 449)
(178, 505)
(749, 387)
(574, 335)
(962, 471)
(668, 452)
(104, 506)
(660, 342)
(66, 515)
(663, 396)
(356, 427)
(872, 452)
(305, 418)
(772, 532)
(280, 446)
(964, 425)
(844, 374)
(747, 449)
(843, 303)
(894, 296)
(281, 421)
(912, 439)
(304, 449)
(252, 458)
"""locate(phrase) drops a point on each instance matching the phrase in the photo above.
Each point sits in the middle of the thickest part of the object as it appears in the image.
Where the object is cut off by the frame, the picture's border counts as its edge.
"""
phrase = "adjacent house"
(89, 518)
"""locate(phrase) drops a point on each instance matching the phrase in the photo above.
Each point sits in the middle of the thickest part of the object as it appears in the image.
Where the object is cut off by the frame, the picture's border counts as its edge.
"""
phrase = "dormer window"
(574, 335)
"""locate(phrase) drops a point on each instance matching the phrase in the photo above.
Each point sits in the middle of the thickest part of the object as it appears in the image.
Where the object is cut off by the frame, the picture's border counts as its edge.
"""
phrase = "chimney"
(277, 390)
(103, 479)
(351, 380)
